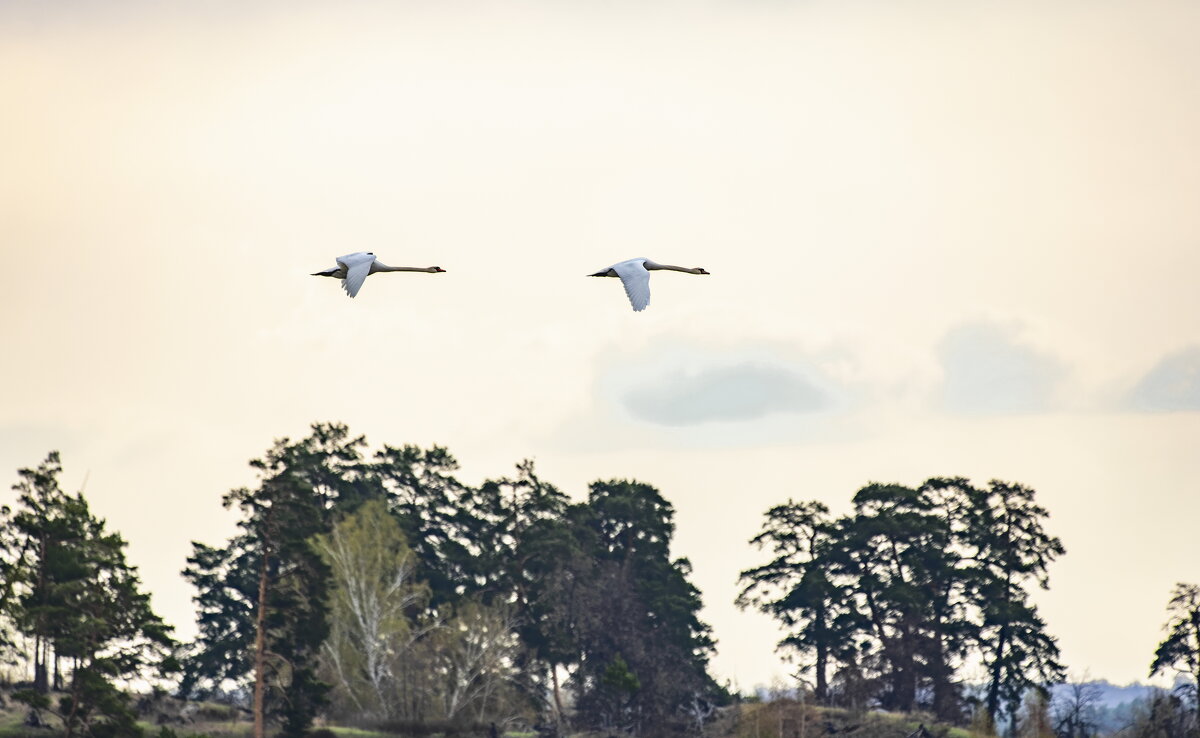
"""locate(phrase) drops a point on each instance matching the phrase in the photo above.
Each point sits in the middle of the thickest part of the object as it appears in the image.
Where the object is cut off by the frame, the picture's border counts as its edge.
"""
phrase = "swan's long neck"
(654, 265)
(385, 268)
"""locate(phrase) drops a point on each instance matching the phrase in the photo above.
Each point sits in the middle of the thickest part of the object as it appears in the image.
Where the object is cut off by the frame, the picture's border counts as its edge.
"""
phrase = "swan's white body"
(353, 269)
(635, 275)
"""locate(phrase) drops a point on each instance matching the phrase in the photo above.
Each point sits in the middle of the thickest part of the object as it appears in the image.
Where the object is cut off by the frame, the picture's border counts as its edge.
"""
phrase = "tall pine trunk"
(260, 640)
(558, 709)
(41, 681)
(905, 677)
(822, 665)
(993, 694)
(1196, 663)
(822, 690)
(40, 684)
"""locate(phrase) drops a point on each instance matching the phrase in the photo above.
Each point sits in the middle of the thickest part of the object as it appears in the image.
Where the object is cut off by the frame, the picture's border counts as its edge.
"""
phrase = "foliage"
(634, 613)
(796, 587)
(269, 581)
(1033, 720)
(10, 571)
(894, 597)
(1163, 715)
(472, 661)
(1180, 651)
(226, 597)
(374, 603)
(77, 598)
(446, 602)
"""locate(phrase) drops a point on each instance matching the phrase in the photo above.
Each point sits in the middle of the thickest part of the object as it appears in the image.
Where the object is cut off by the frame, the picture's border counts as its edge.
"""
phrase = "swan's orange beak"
(438, 269)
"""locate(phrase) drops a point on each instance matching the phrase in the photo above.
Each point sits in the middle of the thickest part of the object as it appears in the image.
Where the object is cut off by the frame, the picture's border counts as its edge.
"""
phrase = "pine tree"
(437, 514)
(9, 569)
(798, 588)
(527, 549)
(634, 603)
(79, 599)
(226, 583)
(1180, 651)
(903, 591)
(49, 530)
(1006, 548)
(898, 548)
(261, 599)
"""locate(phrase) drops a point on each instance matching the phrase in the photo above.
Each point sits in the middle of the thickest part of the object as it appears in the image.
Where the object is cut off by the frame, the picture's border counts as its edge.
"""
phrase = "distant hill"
(1114, 705)
(1109, 695)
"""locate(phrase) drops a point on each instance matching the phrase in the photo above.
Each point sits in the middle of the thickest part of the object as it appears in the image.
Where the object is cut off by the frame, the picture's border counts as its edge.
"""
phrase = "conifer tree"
(1005, 549)
(799, 588)
(1180, 651)
(263, 598)
(79, 599)
(643, 649)
(911, 585)
(897, 547)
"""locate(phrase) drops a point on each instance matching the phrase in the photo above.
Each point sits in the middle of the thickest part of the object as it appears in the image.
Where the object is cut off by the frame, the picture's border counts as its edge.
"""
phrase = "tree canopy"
(895, 597)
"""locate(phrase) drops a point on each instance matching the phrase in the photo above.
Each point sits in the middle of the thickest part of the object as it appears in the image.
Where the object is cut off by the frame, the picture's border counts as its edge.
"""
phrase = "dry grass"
(781, 718)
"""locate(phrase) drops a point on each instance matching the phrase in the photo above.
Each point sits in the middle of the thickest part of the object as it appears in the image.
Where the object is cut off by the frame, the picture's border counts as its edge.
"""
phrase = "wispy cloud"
(988, 371)
(1173, 384)
(736, 392)
(681, 394)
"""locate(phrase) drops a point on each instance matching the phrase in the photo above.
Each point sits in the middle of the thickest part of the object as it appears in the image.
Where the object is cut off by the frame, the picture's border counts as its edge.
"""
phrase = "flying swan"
(635, 275)
(353, 269)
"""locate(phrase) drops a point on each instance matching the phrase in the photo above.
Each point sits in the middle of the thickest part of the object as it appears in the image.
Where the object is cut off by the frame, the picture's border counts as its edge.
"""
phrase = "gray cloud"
(745, 391)
(987, 372)
(1173, 384)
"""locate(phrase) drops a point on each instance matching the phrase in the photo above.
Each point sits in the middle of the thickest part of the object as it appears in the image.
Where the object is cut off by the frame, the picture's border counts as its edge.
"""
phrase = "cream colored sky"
(969, 230)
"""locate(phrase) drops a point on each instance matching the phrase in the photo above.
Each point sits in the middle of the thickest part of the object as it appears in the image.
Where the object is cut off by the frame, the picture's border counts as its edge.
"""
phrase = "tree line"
(376, 588)
(919, 599)
(894, 598)
(385, 589)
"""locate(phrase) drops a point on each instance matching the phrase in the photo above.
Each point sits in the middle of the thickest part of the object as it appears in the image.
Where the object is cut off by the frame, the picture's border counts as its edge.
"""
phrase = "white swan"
(353, 269)
(635, 275)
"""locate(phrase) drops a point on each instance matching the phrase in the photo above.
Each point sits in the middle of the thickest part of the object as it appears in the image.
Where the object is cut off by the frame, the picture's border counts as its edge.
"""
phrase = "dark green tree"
(261, 599)
(798, 588)
(1180, 651)
(439, 515)
(48, 531)
(10, 570)
(525, 545)
(905, 589)
(1006, 548)
(80, 600)
(898, 549)
(226, 582)
(633, 602)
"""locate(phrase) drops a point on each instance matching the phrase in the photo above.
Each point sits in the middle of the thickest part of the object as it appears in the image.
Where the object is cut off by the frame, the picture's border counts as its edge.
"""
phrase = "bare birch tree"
(374, 606)
(476, 658)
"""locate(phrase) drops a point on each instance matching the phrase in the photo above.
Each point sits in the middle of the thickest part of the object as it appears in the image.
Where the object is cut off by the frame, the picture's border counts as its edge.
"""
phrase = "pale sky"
(944, 238)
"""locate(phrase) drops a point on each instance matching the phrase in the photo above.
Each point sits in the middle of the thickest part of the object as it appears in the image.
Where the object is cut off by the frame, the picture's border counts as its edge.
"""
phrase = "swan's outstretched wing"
(358, 266)
(636, 279)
